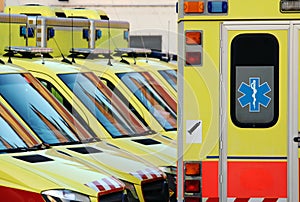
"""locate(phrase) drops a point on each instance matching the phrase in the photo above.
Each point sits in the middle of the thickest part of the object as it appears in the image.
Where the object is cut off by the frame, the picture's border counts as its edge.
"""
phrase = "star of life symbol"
(254, 94)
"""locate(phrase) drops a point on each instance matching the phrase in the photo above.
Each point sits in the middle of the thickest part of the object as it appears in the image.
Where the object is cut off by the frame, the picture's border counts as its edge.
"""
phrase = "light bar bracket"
(28, 49)
(133, 50)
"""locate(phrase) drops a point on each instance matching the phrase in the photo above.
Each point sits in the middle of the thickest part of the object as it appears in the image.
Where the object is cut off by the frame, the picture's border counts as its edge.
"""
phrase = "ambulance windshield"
(113, 115)
(53, 125)
(170, 76)
(153, 97)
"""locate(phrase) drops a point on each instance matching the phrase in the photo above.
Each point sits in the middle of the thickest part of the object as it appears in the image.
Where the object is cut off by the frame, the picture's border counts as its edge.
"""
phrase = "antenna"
(142, 39)
(64, 59)
(168, 41)
(9, 38)
(73, 57)
(108, 25)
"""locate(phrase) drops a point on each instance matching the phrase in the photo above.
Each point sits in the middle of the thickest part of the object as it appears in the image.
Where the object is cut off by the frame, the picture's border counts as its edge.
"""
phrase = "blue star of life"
(254, 94)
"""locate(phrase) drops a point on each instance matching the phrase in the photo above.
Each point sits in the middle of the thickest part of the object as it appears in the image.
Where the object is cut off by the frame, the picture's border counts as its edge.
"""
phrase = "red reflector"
(193, 58)
(192, 186)
(192, 199)
(193, 38)
(194, 7)
(192, 169)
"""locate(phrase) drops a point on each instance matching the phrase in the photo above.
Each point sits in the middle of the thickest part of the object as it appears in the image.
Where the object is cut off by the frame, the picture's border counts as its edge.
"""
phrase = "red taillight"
(194, 7)
(193, 58)
(192, 186)
(192, 181)
(192, 199)
(193, 38)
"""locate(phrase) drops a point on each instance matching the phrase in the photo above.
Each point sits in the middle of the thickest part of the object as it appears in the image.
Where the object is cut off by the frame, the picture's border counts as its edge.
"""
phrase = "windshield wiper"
(66, 143)
(92, 139)
(39, 146)
(15, 150)
(148, 132)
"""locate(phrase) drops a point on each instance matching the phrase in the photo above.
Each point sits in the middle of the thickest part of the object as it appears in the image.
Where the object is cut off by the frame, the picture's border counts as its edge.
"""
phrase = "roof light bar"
(134, 50)
(29, 49)
(289, 6)
(90, 51)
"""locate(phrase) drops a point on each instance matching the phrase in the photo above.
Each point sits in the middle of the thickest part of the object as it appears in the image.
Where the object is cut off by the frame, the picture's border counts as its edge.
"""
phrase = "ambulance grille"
(156, 191)
(113, 197)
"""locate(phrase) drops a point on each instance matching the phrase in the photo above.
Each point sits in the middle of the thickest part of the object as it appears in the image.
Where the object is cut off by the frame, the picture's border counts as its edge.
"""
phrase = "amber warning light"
(193, 38)
(193, 7)
(192, 169)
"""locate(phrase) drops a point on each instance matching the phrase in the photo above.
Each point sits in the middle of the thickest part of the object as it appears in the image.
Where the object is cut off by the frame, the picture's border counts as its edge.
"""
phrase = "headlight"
(169, 169)
(131, 192)
(64, 196)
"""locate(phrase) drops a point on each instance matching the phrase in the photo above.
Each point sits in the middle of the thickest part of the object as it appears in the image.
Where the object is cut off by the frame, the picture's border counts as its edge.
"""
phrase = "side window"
(254, 77)
(56, 94)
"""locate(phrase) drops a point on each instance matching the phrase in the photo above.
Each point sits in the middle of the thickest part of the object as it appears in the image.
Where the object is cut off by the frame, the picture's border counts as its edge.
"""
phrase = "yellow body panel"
(11, 31)
(84, 13)
(34, 9)
(201, 92)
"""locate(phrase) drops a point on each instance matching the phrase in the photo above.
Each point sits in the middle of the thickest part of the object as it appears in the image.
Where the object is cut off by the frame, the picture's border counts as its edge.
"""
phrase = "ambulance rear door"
(258, 105)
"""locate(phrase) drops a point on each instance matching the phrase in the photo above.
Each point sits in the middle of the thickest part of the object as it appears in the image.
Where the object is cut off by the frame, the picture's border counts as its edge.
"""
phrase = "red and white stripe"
(247, 199)
(104, 184)
(147, 174)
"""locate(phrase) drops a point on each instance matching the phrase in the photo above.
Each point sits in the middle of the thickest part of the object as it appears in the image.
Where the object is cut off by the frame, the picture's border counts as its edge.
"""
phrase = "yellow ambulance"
(97, 30)
(31, 171)
(240, 100)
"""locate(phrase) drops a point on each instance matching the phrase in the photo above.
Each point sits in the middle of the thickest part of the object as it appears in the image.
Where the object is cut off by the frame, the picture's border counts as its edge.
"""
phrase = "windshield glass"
(21, 92)
(114, 116)
(153, 96)
(170, 76)
(13, 135)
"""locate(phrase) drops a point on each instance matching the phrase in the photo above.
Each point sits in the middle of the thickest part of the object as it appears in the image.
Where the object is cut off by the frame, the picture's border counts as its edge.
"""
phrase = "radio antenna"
(62, 55)
(73, 57)
(108, 25)
(9, 38)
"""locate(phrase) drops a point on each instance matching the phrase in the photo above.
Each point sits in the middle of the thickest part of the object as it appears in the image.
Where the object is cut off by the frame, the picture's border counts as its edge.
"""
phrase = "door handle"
(296, 139)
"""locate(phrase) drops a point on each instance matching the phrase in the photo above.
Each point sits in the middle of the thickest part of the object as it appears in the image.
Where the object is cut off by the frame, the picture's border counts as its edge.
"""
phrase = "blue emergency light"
(217, 7)
(98, 34)
(50, 33)
(85, 34)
